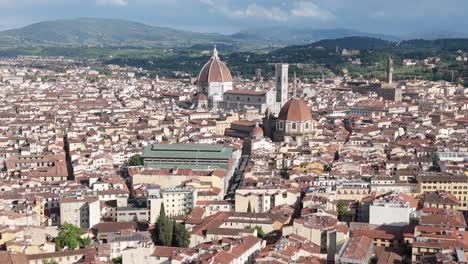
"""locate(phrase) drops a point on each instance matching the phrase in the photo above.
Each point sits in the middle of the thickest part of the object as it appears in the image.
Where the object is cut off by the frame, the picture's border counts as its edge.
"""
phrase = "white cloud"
(250, 11)
(113, 2)
(275, 13)
(378, 14)
(311, 10)
(256, 11)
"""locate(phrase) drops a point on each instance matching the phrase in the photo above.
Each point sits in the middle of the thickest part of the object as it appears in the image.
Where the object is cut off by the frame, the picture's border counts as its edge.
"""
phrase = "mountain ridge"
(105, 32)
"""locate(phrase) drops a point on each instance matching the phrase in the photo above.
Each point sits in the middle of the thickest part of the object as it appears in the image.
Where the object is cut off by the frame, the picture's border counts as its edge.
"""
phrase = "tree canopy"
(342, 209)
(135, 160)
(69, 236)
(169, 233)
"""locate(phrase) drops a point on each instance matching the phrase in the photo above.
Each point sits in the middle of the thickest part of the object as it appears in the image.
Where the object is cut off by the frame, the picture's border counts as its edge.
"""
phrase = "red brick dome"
(214, 71)
(295, 110)
(257, 132)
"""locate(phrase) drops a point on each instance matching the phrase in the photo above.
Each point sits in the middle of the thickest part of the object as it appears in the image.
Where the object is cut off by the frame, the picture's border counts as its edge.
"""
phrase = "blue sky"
(228, 16)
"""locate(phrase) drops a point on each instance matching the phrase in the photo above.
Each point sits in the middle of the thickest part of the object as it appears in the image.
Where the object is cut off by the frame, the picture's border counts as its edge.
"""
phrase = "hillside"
(97, 32)
(106, 32)
(299, 36)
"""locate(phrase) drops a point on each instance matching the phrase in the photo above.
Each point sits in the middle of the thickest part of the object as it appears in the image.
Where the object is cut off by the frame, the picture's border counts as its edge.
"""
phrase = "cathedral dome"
(257, 132)
(214, 71)
(295, 110)
(201, 97)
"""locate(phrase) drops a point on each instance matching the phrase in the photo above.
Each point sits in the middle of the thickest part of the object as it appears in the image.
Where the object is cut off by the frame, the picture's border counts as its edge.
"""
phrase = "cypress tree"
(162, 235)
(249, 208)
(181, 237)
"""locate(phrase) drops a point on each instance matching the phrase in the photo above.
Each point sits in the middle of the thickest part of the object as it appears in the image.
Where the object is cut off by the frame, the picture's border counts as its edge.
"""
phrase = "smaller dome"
(295, 110)
(257, 132)
(201, 97)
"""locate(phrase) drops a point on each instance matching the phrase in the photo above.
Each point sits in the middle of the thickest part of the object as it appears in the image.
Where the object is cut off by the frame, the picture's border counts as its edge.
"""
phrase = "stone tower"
(389, 70)
(281, 73)
(268, 124)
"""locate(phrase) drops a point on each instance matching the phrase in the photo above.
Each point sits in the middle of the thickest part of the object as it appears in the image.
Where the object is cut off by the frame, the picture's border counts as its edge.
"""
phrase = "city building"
(84, 212)
(176, 201)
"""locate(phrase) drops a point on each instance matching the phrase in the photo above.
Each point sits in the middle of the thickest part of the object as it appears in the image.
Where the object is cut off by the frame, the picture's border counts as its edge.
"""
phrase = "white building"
(83, 212)
(395, 209)
(262, 199)
(177, 201)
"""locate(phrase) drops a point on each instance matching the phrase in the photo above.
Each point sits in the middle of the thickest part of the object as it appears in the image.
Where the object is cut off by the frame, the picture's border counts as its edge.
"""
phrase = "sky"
(396, 17)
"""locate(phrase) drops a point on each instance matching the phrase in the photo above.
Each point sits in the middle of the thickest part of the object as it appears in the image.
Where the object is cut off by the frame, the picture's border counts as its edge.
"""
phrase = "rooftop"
(187, 151)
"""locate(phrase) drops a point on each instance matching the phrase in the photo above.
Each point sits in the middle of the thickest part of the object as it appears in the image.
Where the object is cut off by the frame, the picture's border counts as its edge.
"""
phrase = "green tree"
(70, 236)
(117, 260)
(260, 232)
(163, 230)
(249, 208)
(135, 160)
(342, 208)
(180, 236)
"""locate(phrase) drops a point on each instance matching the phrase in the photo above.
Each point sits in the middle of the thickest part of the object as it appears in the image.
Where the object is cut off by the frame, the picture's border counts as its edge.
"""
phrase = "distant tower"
(281, 72)
(389, 70)
(295, 85)
(268, 124)
(258, 75)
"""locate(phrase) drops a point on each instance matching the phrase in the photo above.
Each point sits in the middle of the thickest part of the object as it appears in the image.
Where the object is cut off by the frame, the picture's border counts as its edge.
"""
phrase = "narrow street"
(237, 178)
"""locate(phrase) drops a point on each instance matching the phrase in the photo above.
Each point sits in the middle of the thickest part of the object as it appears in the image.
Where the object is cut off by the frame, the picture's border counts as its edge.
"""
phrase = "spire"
(215, 53)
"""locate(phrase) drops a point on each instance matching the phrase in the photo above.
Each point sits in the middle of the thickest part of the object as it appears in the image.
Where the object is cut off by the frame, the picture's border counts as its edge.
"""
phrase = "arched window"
(293, 126)
(307, 125)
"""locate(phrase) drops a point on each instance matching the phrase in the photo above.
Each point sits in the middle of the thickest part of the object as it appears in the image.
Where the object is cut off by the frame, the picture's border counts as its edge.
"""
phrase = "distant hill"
(372, 49)
(121, 33)
(436, 35)
(105, 32)
(59, 36)
(298, 36)
(331, 44)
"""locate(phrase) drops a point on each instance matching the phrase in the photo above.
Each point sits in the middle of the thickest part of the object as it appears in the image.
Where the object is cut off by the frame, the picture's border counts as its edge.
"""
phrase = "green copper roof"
(187, 151)
(185, 166)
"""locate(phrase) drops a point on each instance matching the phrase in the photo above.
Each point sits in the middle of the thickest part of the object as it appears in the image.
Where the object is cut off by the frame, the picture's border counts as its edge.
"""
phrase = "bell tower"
(281, 73)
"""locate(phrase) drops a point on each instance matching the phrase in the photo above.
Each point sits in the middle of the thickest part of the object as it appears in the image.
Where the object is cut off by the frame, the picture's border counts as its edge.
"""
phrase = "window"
(307, 125)
(294, 126)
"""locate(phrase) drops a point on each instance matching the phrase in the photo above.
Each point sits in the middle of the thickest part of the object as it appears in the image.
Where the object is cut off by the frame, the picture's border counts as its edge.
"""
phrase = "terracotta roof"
(257, 131)
(201, 97)
(295, 110)
(358, 248)
(110, 227)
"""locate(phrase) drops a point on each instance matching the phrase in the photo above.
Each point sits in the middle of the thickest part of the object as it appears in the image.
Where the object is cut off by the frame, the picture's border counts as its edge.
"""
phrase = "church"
(294, 122)
(215, 89)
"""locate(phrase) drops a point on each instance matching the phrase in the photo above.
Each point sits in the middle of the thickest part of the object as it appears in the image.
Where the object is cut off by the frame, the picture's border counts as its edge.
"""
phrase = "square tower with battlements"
(281, 73)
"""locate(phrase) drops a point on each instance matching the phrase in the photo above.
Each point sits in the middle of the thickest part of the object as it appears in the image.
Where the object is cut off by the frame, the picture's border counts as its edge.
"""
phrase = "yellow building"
(8, 234)
(222, 125)
(315, 167)
(456, 185)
